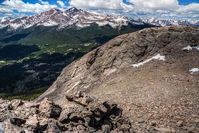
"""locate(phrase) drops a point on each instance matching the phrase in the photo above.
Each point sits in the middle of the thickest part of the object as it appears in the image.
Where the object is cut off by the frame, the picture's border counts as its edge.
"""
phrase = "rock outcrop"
(123, 51)
(82, 114)
(152, 74)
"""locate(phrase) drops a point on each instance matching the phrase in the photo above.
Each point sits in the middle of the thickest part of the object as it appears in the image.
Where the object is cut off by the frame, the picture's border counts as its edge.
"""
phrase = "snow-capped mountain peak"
(170, 22)
(80, 18)
(64, 18)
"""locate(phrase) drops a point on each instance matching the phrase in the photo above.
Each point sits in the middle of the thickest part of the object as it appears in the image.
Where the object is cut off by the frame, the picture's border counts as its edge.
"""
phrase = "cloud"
(191, 7)
(60, 3)
(131, 8)
(5, 10)
(143, 8)
(99, 4)
(155, 4)
(44, 2)
(21, 6)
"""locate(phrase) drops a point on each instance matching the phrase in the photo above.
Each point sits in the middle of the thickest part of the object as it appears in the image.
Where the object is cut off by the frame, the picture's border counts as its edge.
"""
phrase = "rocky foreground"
(152, 74)
(82, 114)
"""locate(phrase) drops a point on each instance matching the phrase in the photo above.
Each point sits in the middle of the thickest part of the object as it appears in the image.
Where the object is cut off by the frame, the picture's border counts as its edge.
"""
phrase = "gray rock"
(14, 104)
(180, 123)
(106, 128)
(83, 114)
(52, 127)
(49, 109)
(17, 121)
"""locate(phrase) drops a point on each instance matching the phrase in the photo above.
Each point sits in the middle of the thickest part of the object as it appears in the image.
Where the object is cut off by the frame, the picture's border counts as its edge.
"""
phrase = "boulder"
(82, 114)
(49, 109)
(17, 121)
(14, 104)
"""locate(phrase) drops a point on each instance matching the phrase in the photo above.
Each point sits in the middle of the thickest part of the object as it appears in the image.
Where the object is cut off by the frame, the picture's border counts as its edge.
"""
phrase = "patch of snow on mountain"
(197, 47)
(156, 57)
(194, 70)
(189, 48)
(102, 23)
(49, 23)
(15, 26)
(80, 25)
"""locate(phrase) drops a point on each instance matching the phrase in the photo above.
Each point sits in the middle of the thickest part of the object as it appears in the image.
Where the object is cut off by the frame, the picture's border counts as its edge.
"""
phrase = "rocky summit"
(82, 114)
(144, 82)
(153, 74)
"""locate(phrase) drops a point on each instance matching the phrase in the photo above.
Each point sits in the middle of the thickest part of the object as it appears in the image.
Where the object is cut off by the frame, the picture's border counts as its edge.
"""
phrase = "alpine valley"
(34, 49)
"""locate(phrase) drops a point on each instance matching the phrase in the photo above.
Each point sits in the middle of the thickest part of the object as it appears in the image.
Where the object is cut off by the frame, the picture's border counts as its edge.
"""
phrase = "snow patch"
(197, 47)
(49, 23)
(194, 70)
(15, 26)
(189, 48)
(156, 57)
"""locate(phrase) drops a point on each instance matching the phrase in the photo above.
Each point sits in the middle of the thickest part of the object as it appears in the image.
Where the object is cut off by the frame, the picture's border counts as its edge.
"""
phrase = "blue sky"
(185, 2)
(177, 9)
(182, 2)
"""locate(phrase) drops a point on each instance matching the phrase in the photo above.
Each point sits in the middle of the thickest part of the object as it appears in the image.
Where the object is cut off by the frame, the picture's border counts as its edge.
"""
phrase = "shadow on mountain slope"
(16, 51)
(33, 74)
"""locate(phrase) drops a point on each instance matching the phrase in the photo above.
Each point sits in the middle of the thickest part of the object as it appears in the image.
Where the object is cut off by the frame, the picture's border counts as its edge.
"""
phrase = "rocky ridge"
(160, 93)
(82, 114)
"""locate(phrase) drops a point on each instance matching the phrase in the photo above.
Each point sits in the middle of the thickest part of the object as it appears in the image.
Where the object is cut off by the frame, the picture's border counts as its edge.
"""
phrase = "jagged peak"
(51, 11)
(73, 9)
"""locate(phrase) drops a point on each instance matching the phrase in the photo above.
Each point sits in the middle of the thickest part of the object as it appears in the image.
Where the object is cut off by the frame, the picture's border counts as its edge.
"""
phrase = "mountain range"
(65, 18)
(80, 18)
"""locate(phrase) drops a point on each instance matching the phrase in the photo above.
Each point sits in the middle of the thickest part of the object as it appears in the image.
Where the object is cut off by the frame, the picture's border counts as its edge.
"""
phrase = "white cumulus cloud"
(155, 4)
(98, 4)
(130, 8)
(21, 6)
(60, 3)
(148, 8)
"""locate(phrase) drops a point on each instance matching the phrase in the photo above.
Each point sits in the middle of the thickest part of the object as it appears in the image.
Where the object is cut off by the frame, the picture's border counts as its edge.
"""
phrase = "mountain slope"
(153, 74)
(38, 47)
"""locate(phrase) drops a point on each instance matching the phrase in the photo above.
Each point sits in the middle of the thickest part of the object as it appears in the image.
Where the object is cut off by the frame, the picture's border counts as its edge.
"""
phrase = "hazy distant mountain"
(170, 22)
